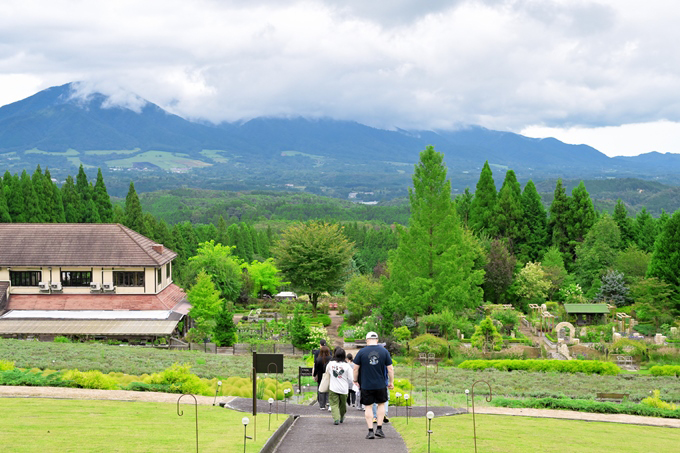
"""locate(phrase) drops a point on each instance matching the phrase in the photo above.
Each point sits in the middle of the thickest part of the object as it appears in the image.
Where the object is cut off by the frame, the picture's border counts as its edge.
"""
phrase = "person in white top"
(340, 383)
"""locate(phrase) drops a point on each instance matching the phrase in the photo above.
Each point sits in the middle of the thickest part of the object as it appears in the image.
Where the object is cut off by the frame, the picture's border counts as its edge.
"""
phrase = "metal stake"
(488, 399)
(180, 413)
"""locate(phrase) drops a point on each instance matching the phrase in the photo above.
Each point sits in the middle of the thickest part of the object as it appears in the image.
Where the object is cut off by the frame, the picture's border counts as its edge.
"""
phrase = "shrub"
(429, 344)
(62, 340)
(560, 366)
(486, 337)
(402, 333)
(180, 379)
(142, 387)
(322, 319)
(27, 378)
(91, 380)
(656, 401)
(665, 370)
(588, 406)
(6, 365)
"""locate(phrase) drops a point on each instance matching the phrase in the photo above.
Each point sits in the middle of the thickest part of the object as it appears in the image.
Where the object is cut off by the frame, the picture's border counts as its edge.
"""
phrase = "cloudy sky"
(605, 73)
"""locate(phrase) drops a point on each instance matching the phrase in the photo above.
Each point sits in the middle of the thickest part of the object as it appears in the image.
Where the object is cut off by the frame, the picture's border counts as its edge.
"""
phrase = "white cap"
(371, 335)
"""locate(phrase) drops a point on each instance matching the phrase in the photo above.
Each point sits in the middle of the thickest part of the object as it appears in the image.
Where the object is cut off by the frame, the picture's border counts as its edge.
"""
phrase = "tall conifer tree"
(71, 200)
(53, 195)
(483, 206)
(559, 218)
(509, 213)
(581, 214)
(4, 212)
(535, 226)
(14, 196)
(434, 266)
(31, 212)
(645, 230)
(41, 191)
(134, 218)
(102, 199)
(625, 223)
(665, 262)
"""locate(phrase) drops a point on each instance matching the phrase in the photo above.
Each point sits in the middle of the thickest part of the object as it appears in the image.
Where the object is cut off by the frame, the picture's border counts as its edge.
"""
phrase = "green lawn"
(163, 159)
(508, 434)
(45, 425)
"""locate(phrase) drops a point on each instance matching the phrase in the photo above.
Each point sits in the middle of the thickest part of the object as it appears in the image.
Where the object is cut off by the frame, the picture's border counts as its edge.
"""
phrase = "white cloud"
(505, 64)
(623, 140)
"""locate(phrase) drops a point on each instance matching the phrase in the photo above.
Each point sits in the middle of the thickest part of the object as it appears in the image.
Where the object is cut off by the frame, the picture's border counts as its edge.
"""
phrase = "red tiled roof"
(77, 244)
(171, 297)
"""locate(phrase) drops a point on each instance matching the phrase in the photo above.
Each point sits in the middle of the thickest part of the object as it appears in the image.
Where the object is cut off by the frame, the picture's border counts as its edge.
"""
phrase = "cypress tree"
(645, 230)
(56, 205)
(484, 203)
(582, 214)
(625, 224)
(42, 199)
(434, 265)
(102, 199)
(134, 218)
(559, 218)
(31, 212)
(535, 224)
(244, 235)
(4, 212)
(13, 196)
(665, 262)
(463, 205)
(222, 231)
(509, 212)
(71, 200)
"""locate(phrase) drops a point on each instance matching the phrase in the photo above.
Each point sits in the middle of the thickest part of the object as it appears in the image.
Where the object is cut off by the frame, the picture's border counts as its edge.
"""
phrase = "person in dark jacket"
(319, 369)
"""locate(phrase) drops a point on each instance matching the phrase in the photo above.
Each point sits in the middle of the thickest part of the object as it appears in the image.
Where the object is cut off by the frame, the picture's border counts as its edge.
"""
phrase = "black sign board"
(268, 363)
(304, 371)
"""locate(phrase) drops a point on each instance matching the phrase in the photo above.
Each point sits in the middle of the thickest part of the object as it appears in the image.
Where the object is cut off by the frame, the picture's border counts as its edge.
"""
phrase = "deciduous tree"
(315, 257)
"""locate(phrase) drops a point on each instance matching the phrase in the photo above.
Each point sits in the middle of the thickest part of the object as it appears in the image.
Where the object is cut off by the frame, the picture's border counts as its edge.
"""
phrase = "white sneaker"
(329, 408)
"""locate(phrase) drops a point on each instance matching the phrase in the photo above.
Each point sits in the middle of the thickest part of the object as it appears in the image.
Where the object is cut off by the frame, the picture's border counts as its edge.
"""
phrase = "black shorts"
(368, 397)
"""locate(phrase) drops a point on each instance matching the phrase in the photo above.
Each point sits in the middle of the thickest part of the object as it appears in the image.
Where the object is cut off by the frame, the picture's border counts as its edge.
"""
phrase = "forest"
(501, 246)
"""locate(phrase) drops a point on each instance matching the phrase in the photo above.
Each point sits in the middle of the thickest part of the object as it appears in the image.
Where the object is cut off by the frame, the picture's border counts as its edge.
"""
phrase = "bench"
(613, 397)
(624, 360)
(360, 343)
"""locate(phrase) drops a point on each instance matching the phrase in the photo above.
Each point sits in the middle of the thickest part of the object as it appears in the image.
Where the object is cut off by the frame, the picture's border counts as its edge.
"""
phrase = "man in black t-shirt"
(370, 365)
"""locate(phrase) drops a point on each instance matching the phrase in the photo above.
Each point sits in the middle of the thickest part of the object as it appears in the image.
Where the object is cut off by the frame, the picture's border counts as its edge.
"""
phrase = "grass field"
(47, 425)
(162, 159)
(215, 155)
(523, 434)
(104, 152)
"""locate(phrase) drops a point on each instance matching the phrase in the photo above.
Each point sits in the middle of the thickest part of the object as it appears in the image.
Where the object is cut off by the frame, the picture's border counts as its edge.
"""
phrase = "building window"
(76, 278)
(25, 278)
(128, 278)
(159, 273)
(167, 271)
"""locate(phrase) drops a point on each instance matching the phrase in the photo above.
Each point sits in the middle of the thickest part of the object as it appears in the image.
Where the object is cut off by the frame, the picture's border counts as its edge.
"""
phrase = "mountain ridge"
(65, 126)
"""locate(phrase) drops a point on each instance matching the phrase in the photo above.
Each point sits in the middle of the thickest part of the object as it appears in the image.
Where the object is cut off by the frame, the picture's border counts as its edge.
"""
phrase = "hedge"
(560, 366)
(587, 406)
(665, 370)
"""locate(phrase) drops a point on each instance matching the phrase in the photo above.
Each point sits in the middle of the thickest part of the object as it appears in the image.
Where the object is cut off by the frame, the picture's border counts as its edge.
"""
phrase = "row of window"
(79, 278)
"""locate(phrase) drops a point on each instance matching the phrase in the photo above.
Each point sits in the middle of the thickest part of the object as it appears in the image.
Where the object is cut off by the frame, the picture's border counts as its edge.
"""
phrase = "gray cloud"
(412, 64)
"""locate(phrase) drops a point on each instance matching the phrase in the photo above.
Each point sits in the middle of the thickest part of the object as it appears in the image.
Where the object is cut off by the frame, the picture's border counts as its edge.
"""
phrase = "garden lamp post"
(430, 416)
(271, 401)
(285, 399)
(467, 399)
(219, 385)
(245, 421)
(407, 406)
(398, 395)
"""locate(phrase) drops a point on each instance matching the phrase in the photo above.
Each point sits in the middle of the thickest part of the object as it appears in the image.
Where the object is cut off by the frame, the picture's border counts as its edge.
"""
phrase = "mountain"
(66, 126)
